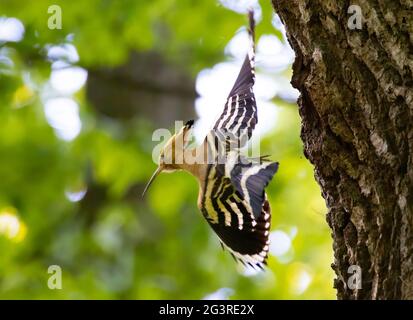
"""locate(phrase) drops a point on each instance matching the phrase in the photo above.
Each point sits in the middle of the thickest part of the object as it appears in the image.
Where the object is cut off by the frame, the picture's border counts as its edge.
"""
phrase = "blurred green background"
(78, 106)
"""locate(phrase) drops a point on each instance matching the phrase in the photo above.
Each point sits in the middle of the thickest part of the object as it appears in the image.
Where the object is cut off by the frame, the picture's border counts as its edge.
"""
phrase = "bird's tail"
(246, 77)
(251, 32)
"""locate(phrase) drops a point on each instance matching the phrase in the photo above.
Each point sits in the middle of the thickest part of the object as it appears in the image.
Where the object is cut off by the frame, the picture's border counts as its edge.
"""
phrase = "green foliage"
(112, 244)
(188, 32)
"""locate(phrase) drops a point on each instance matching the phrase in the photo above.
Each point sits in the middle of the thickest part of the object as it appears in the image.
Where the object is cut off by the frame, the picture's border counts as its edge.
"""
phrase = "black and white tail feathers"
(250, 181)
(246, 77)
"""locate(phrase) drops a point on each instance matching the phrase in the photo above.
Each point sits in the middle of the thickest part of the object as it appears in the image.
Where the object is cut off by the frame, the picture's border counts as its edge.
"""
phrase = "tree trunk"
(356, 106)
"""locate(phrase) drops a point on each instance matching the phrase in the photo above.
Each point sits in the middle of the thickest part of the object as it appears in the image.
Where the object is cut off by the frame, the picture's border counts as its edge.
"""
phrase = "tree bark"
(356, 106)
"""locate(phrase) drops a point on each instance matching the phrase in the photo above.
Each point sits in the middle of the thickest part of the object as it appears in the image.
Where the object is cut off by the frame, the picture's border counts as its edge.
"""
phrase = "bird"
(232, 195)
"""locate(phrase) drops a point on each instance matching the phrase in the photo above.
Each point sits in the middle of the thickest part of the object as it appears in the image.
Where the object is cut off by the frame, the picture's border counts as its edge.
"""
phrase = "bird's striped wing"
(242, 233)
(250, 179)
(238, 120)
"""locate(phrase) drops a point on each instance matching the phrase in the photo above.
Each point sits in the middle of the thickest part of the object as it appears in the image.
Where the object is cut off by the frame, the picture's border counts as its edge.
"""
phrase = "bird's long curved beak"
(155, 174)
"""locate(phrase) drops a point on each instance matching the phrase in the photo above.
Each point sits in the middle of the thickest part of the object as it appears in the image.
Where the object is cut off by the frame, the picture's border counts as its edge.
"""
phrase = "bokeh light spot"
(11, 29)
(63, 115)
(10, 225)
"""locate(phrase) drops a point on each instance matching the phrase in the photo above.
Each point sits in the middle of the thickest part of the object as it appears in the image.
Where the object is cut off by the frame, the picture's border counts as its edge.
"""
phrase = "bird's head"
(172, 155)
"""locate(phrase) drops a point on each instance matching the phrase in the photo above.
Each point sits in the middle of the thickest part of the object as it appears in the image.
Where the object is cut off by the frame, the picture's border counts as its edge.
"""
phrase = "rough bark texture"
(356, 107)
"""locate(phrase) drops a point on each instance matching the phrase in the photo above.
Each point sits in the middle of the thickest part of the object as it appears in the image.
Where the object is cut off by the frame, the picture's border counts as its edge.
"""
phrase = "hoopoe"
(231, 187)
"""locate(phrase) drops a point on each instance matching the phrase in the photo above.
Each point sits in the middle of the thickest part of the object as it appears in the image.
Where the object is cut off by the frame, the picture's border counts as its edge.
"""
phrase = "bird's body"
(231, 187)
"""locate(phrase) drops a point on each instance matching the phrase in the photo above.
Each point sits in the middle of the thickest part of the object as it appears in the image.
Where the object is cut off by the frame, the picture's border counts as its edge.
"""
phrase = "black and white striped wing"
(250, 179)
(238, 120)
(243, 234)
